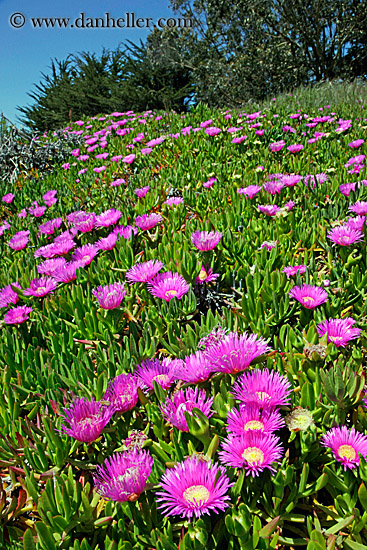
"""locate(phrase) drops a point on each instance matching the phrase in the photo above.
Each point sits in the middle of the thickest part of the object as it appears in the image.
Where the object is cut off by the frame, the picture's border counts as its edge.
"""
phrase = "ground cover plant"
(183, 333)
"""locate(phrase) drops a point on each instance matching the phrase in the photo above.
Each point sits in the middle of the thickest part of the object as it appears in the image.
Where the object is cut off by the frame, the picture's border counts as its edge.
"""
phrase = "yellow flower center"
(196, 495)
(253, 455)
(253, 425)
(202, 275)
(262, 395)
(347, 451)
(161, 379)
(336, 338)
(171, 293)
(308, 299)
(41, 289)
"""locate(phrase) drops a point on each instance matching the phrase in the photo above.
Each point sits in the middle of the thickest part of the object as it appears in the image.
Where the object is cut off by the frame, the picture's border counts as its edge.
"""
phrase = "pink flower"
(250, 190)
(345, 235)
(346, 445)
(253, 451)
(276, 146)
(309, 296)
(143, 272)
(339, 331)
(205, 240)
(168, 286)
(154, 370)
(129, 159)
(183, 402)
(265, 388)
(8, 198)
(193, 488)
(122, 392)
(269, 209)
(295, 148)
(357, 143)
(107, 218)
(253, 417)
(19, 240)
(212, 131)
(123, 476)
(292, 270)
(206, 275)
(86, 419)
(110, 296)
(140, 193)
(40, 287)
(148, 221)
(17, 315)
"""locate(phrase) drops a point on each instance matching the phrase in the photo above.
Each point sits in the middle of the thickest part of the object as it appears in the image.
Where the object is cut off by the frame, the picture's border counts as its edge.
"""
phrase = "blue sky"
(26, 52)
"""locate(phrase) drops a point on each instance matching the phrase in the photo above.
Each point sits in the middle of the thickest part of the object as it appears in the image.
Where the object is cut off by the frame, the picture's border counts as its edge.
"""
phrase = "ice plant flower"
(214, 337)
(174, 201)
(84, 222)
(269, 209)
(184, 401)
(194, 368)
(206, 275)
(276, 146)
(66, 273)
(123, 476)
(356, 143)
(293, 270)
(295, 148)
(8, 295)
(126, 232)
(144, 271)
(273, 187)
(345, 235)
(269, 245)
(107, 243)
(8, 198)
(40, 287)
(346, 445)
(250, 190)
(107, 218)
(299, 420)
(253, 451)
(148, 221)
(140, 193)
(85, 254)
(49, 227)
(262, 387)
(359, 207)
(235, 352)
(17, 315)
(205, 240)
(252, 417)
(19, 240)
(339, 331)
(110, 296)
(168, 286)
(86, 419)
(154, 370)
(193, 487)
(309, 296)
(122, 392)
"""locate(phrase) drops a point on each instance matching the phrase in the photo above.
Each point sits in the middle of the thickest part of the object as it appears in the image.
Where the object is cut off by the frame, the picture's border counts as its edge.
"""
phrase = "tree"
(252, 48)
(85, 85)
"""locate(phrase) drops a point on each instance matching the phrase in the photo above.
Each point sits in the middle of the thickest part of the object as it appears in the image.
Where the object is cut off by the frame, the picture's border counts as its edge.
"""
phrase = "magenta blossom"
(309, 296)
(162, 373)
(235, 352)
(86, 419)
(276, 146)
(345, 235)
(346, 445)
(293, 270)
(252, 417)
(262, 387)
(339, 331)
(206, 275)
(17, 315)
(193, 488)
(110, 296)
(85, 254)
(40, 287)
(168, 286)
(8, 295)
(143, 272)
(184, 401)
(253, 451)
(122, 392)
(250, 190)
(148, 221)
(8, 198)
(123, 476)
(107, 218)
(269, 209)
(205, 240)
(295, 148)
(195, 368)
(19, 240)
(107, 243)
(357, 143)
